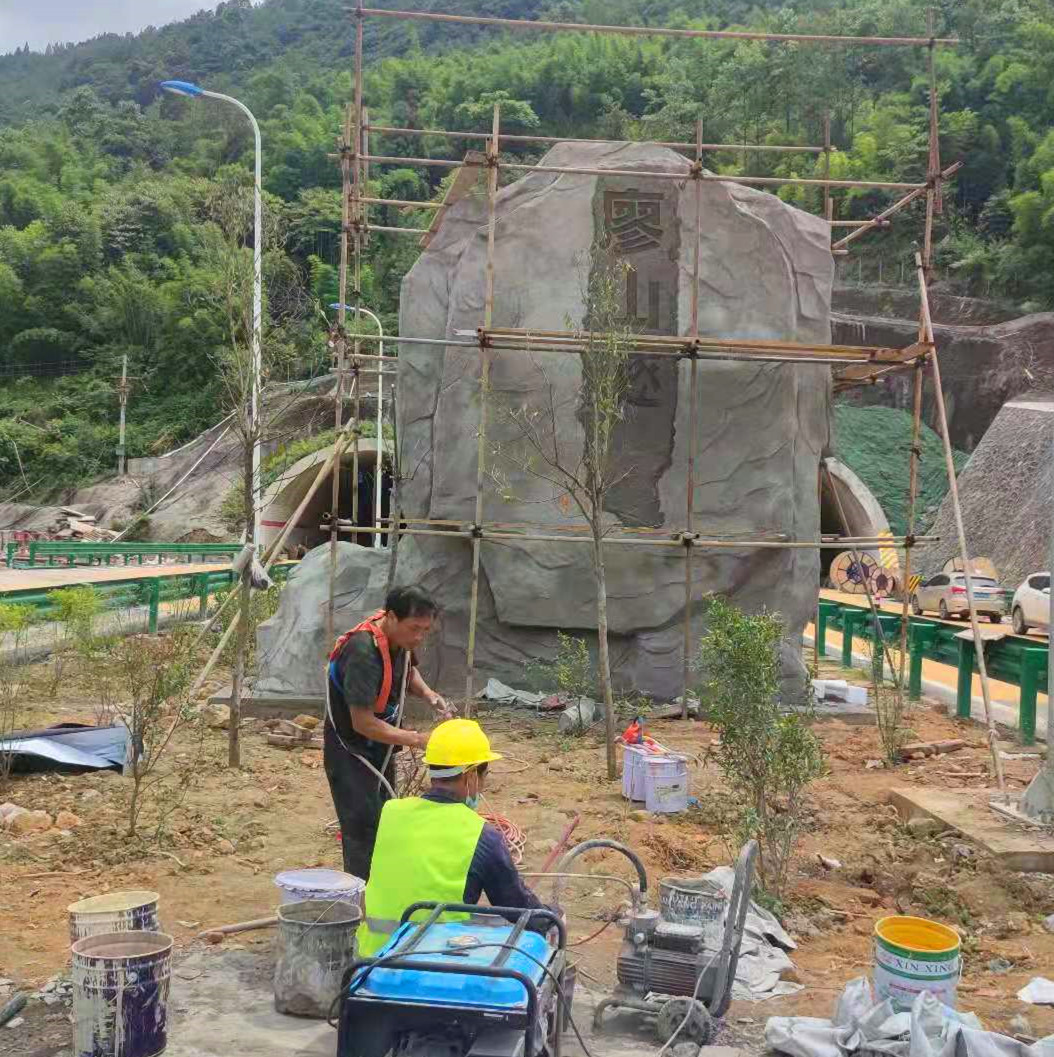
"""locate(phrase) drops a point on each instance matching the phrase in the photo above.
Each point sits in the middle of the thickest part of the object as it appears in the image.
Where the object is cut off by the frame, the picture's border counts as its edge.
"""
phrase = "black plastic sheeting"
(67, 747)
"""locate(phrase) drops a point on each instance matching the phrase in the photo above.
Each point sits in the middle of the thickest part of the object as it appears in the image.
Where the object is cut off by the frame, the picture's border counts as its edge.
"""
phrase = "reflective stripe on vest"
(423, 852)
(372, 625)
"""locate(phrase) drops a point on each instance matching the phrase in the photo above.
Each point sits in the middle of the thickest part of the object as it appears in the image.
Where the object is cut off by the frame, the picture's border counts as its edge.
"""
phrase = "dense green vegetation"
(122, 213)
(875, 443)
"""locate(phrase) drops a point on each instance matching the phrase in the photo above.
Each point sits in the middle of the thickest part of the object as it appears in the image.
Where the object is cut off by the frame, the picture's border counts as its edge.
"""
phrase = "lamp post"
(193, 91)
(380, 422)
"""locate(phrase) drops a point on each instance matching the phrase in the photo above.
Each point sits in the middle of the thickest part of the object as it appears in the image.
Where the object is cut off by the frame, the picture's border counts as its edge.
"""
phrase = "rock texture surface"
(1005, 491)
(982, 367)
(292, 646)
(765, 272)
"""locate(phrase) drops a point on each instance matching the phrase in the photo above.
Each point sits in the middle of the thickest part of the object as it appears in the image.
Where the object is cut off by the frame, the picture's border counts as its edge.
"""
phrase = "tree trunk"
(603, 660)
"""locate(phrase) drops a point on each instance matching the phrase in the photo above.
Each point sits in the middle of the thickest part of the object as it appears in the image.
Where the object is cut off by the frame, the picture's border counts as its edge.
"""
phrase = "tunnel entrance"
(855, 511)
(283, 496)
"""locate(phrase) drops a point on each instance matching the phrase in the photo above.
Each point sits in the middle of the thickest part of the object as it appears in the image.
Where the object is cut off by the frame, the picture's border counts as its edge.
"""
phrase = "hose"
(612, 845)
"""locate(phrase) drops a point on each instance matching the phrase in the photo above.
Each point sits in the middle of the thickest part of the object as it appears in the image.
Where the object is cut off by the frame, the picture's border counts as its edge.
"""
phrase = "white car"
(1031, 605)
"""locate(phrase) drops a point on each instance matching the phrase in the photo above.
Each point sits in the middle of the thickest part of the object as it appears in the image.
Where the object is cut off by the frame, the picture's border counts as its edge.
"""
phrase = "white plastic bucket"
(913, 955)
(114, 912)
(299, 885)
(665, 782)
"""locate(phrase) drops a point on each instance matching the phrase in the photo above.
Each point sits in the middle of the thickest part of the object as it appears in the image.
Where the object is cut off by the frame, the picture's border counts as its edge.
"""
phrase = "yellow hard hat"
(458, 744)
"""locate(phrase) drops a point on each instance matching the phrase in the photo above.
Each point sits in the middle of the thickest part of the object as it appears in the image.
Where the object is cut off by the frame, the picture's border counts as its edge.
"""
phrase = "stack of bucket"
(318, 918)
(658, 778)
(121, 970)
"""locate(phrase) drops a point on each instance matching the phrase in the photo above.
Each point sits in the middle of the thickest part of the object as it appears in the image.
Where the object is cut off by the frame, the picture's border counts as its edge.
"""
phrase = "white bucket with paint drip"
(133, 911)
(300, 885)
(120, 994)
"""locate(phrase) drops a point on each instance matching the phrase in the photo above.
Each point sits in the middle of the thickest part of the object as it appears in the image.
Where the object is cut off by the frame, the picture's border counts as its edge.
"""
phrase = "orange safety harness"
(372, 625)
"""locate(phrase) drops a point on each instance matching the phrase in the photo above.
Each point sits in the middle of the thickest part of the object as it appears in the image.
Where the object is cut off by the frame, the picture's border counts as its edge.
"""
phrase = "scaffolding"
(852, 365)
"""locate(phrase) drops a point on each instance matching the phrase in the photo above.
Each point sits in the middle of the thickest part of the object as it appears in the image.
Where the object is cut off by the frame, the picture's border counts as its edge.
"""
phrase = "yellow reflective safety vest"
(423, 853)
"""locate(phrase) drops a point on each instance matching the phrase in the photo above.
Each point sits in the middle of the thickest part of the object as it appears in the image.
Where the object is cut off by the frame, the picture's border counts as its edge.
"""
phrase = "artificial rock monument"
(765, 272)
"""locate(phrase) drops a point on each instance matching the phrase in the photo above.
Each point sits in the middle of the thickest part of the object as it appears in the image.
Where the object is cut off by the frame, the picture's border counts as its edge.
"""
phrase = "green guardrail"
(84, 553)
(1015, 660)
(149, 591)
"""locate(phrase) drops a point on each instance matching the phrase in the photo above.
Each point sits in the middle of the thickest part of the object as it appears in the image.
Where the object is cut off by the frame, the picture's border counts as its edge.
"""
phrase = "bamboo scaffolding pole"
(913, 483)
(895, 208)
(506, 138)
(678, 539)
(953, 493)
(484, 385)
(401, 202)
(397, 230)
(693, 392)
(828, 201)
(648, 31)
(860, 224)
(655, 174)
(651, 345)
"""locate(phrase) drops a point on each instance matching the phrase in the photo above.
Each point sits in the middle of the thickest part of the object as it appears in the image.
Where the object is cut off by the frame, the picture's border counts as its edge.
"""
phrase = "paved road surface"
(46, 578)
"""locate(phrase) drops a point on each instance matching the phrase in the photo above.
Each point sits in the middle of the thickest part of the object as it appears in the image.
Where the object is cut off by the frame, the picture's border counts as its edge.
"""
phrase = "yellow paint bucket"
(913, 955)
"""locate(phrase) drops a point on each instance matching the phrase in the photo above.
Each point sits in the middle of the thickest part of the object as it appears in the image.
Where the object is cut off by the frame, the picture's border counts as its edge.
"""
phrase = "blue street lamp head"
(182, 88)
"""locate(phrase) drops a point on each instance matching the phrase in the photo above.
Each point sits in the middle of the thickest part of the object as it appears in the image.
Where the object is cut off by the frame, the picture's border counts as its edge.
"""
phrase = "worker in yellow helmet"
(435, 847)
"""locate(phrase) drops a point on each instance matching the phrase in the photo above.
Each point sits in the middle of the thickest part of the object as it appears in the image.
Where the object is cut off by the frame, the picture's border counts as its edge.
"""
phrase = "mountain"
(125, 227)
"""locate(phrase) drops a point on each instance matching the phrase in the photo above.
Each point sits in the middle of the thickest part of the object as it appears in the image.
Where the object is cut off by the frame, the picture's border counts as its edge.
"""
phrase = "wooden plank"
(968, 813)
(466, 179)
(901, 357)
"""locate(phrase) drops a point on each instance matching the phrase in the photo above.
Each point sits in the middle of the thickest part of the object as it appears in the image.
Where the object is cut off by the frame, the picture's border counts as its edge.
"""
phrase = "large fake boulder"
(765, 272)
(291, 647)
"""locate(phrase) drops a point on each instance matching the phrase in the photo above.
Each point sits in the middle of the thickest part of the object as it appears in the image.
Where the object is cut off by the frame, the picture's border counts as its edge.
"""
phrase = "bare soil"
(227, 833)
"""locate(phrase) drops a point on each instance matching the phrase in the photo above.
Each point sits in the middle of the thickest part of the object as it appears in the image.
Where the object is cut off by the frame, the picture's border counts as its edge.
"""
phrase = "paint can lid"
(113, 902)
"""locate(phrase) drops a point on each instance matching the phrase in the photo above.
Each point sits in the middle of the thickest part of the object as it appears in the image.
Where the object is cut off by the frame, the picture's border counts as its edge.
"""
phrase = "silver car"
(945, 594)
(1031, 605)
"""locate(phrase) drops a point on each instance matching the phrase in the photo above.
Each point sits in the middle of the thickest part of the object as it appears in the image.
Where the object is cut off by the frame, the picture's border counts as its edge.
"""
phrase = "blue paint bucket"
(120, 994)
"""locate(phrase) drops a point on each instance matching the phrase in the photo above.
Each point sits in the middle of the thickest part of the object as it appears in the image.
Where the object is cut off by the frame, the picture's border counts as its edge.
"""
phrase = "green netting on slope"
(875, 442)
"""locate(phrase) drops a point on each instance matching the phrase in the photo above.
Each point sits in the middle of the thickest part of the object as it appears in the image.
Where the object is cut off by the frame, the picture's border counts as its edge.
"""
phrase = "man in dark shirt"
(363, 727)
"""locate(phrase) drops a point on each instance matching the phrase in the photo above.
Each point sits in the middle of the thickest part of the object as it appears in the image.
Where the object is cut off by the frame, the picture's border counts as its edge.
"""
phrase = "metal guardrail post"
(964, 687)
(154, 588)
(825, 610)
(1033, 666)
(202, 583)
(921, 638)
(850, 619)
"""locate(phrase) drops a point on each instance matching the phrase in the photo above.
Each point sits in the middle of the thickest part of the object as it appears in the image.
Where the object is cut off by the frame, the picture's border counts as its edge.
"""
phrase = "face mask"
(473, 800)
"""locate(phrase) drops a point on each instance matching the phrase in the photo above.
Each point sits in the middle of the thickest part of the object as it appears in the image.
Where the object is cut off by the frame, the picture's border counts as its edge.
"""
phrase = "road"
(47, 577)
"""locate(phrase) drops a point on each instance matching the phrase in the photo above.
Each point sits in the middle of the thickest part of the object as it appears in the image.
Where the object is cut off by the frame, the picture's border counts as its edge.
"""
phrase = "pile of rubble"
(73, 525)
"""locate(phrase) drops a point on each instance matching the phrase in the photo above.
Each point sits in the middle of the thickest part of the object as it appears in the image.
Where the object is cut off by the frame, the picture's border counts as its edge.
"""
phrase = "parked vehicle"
(945, 594)
(1031, 605)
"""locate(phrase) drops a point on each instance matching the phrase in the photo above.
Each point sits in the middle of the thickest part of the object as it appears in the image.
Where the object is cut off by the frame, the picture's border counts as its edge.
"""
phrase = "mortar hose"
(612, 845)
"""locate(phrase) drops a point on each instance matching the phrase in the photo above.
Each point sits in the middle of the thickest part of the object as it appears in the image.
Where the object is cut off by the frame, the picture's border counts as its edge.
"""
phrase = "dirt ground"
(229, 832)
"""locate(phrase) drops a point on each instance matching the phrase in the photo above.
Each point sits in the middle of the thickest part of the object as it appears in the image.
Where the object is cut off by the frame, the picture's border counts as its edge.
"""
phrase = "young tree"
(582, 468)
(767, 753)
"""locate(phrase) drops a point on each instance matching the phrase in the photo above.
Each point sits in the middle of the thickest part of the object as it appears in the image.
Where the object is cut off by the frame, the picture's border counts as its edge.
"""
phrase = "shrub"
(767, 753)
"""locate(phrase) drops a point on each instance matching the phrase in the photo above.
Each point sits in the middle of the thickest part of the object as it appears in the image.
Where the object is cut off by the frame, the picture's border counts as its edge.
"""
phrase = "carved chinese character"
(632, 219)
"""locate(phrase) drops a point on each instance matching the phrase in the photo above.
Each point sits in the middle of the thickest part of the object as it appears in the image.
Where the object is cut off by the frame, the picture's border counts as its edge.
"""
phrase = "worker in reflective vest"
(370, 670)
(435, 847)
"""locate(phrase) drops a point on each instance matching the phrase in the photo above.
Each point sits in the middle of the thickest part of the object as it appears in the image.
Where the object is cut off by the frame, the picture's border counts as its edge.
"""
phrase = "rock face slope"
(765, 272)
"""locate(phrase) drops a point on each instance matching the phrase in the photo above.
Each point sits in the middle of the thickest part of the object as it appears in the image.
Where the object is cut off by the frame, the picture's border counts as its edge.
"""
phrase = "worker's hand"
(441, 708)
(420, 741)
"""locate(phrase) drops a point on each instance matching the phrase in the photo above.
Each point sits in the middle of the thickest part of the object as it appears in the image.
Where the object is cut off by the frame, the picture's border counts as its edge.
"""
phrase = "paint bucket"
(914, 955)
(695, 901)
(316, 944)
(328, 885)
(665, 780)
(114, 912)
(120, 994)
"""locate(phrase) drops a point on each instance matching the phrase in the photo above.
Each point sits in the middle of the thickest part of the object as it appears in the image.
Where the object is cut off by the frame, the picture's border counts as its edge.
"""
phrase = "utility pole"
(122, 394)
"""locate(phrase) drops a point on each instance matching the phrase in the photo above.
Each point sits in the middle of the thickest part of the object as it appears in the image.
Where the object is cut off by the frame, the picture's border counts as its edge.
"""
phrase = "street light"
(194, 91)
(380, 405)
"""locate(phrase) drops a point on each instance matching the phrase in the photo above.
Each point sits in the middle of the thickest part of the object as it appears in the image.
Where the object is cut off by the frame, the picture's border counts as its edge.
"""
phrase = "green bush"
(767, 753)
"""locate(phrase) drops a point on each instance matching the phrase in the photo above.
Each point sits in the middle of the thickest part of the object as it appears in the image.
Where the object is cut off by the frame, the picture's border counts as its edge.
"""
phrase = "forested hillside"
(124, 215)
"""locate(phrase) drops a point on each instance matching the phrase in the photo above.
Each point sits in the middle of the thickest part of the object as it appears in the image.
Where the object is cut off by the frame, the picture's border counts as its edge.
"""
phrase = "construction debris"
(291, 734)
(73, 525)
(917, 750)
(839, 690)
